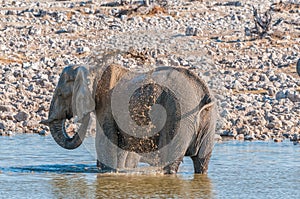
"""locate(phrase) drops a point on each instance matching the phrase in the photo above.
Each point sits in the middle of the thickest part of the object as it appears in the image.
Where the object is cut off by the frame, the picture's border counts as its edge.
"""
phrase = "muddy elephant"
(157, 117)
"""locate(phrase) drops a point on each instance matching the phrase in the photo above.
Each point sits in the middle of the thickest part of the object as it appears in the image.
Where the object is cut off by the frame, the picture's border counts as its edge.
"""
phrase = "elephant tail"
(204, 126)
(206, 103)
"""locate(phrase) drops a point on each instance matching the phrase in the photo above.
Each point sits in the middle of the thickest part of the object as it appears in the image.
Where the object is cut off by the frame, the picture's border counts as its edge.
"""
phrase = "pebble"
(21, 116)
(240, 137)
(2, 127)
(295, 137)
(5, 108)
(193, 31)
(43, 132)
(250, 137)
(278, 140)
(82, 50)
(218, 138)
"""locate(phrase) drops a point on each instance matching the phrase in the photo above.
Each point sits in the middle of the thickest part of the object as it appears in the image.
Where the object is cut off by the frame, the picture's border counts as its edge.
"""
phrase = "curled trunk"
(56, 123)
(58, 132)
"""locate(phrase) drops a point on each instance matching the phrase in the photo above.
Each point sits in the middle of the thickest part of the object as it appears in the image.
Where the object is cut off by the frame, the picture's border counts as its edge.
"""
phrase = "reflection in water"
(70, 187)
(132, 186)
(153, 186)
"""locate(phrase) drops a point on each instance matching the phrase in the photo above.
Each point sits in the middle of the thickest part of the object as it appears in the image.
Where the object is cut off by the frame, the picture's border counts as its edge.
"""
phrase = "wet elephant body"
(188, 126)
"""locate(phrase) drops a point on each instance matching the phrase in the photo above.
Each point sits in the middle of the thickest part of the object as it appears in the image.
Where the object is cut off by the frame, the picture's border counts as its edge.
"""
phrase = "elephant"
(183, 117)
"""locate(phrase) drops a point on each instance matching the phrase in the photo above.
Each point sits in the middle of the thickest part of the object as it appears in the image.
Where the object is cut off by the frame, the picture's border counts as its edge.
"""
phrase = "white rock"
(82, 50)
(240, 137)
(3, 47)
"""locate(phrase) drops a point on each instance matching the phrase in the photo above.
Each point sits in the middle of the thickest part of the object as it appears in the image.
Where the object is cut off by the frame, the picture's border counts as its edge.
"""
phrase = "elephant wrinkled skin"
(187, 119)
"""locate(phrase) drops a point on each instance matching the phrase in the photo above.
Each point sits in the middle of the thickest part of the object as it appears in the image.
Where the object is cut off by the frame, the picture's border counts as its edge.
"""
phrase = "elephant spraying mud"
(157, 117)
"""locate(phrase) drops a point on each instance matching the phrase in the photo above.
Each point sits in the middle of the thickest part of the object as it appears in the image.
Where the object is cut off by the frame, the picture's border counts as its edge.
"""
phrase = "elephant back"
(140, 107)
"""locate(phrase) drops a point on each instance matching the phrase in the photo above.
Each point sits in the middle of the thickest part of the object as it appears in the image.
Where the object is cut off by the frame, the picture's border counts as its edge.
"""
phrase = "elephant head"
(71, 98)
(298, 67)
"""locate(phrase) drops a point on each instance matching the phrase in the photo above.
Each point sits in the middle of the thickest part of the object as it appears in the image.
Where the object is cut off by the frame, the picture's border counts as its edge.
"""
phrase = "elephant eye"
(69, 80)
(58, 92)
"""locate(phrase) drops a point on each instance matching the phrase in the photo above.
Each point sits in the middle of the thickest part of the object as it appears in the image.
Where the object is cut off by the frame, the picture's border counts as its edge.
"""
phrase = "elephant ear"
(82, 100)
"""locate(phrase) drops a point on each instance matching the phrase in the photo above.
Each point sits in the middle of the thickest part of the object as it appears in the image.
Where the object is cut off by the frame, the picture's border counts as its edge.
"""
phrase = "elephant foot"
(201, 164)
(172, 168)
(104, 167)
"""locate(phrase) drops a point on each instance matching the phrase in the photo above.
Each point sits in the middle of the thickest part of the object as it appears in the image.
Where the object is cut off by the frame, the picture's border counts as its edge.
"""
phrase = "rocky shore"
(252, 71)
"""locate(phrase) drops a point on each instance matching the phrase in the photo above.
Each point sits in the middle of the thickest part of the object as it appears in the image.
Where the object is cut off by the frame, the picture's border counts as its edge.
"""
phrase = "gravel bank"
(254, 77)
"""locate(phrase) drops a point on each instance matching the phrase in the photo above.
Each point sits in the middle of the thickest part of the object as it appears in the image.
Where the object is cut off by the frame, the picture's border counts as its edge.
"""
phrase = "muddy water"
(32, 166)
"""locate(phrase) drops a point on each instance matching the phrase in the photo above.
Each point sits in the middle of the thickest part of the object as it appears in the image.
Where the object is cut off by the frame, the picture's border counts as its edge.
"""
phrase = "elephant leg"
(132, 160)
(201, 163)
(202, 158)
(173, 167)
(121, 158)
(107, 152)
(104, 167)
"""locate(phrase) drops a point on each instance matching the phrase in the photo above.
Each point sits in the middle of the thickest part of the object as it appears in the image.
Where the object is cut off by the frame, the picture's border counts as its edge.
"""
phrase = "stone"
(257, 121)
(174, 62)
(192, 31)
(295, 137)
(268, 106)
(264, 137)
(233, 3)
(250, 137)
(293, 96)
(271, 91)
(218, 138)
(286, 135)
(43, 132)
(224, 105)
(263, 78)
(34, 31)
(162, 62)
(3, 47)
(281, 95)
(254, 78)
(240, 137)
(2, 126)
(224, 113)
(21, 116)
(82, 50)
(278, 139)
(243, 130)
(237, 85)
(7, 133)
(5, 108)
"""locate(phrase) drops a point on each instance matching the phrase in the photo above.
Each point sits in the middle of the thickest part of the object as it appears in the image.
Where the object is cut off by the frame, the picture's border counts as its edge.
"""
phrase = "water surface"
(33, 166)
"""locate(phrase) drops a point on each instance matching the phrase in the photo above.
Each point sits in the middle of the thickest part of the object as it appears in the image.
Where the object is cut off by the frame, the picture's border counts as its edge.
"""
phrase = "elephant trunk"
(58, 130)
